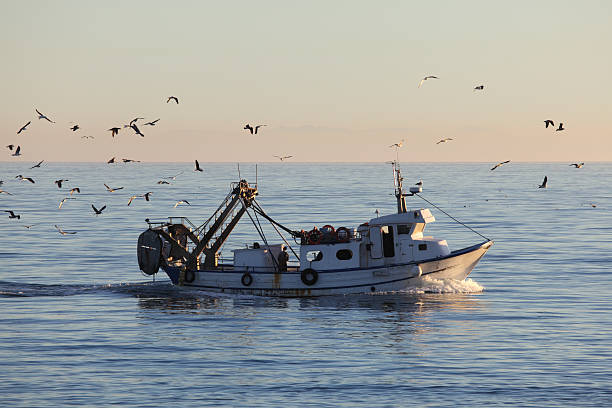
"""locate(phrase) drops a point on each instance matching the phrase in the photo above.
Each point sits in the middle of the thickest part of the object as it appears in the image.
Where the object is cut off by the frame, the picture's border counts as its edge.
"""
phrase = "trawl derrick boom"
(241, 194)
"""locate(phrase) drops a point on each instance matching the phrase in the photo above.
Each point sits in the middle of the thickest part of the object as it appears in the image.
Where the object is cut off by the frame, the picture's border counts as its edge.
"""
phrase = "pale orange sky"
(334, 81)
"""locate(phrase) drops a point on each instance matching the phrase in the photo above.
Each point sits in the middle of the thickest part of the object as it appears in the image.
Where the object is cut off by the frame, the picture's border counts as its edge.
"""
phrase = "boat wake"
(431, 285)
(15, 289)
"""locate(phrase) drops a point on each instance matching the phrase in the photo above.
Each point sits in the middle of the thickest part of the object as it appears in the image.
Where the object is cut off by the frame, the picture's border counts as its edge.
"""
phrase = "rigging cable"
(450, 216)
(277, 231)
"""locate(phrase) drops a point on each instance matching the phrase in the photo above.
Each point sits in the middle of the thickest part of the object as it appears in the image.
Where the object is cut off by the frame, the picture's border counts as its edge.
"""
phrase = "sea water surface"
(532, 326)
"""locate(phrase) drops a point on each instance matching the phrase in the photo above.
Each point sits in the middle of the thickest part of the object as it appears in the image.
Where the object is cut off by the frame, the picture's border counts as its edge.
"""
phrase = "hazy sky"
(334, 80)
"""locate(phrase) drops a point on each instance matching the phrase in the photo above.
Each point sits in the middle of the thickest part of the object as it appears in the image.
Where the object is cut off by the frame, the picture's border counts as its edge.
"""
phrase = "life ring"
(343, 234)
(246, 279)
(309, 276)
(189, 276)
(314, 237)
(329, 227)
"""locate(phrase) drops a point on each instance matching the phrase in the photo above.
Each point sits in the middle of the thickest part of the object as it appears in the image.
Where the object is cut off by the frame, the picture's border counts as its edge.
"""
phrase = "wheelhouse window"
(422, 247)
(403, 229)
(344, 254)
(314, 256)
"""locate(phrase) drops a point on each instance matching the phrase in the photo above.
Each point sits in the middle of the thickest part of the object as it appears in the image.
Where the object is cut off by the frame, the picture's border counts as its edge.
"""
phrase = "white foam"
(431, 285)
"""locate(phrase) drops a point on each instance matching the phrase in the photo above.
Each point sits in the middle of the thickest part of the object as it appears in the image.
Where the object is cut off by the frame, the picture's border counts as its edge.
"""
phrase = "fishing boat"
(386, 253)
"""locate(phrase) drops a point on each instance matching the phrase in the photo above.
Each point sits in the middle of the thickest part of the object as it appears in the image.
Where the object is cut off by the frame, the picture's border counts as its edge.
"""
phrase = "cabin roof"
(422, 215)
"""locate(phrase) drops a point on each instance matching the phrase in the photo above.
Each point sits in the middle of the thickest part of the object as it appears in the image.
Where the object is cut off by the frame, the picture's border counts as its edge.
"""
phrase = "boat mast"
(399, 191)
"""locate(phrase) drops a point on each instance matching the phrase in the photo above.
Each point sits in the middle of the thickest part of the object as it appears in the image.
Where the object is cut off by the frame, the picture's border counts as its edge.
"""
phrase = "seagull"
(377, 212)
(251, 129)
(75, 190)
(112, 190)
(426, 78)
(20, 177)
(87, 137)
(59, 182)
(17, 151)
(130, 161)
(12, 214)
(41, 116)
(172, 98)
(499, 164)
(163, 182)
(133, 121)
(23, 127)
(560, 127)
(577, 165)
(152, 123)
(75, 128)
(174, 177)
(29, 226)
(10, 147)
(135, 128)
(5, 192)
(549, 122)
(478, 88)
(543, 185)
(98, 212)
(114, 131)
(36, 165)
(197, 166)
(282, 158)
(446, 139)
(111, 161)
(398, 144)
(132, 199)
(61, 231)
(420, 183)
(64, 200)
(146, 196)
(181, 202)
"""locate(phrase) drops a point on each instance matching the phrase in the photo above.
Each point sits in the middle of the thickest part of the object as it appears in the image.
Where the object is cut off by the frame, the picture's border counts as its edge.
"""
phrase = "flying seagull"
(420, 183)
(130, 161)
(163, 182)
(87, 137)
(41, 116)
(112, 190)
(59, 182)
(499, 164)
(133, 121)
(75, 128)
(282, 158)
(135, 128)
(10, 147)
(172, 98)
(37, 165)
(181, 202)
(23, 127)
(98, 212)
(152, 123)
(543, 185)
(61, 231)
(173, 177)
(20, 177)
(111, 161)
(426, 78)
(17, 151)
(5, 192)
(197, 166)
(132, 199)
(548, 122)
(560, 127)
(114, 131)
(252, 129)
(64, 200)
(75, 190)
(478, 88)
(12, 214)
(146, 196)
(577, 165)
(446, 139)
(398, 144)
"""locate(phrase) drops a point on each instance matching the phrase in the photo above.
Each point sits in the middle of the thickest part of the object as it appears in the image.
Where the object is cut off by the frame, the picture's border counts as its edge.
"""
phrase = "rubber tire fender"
(246, 279)
(309, 276)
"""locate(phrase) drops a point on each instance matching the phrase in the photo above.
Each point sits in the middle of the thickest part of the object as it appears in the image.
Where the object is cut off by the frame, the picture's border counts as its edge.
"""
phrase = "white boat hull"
(393, 277)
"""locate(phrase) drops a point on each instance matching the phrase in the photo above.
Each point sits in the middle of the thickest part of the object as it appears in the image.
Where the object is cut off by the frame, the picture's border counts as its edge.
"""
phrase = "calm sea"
(81, 326)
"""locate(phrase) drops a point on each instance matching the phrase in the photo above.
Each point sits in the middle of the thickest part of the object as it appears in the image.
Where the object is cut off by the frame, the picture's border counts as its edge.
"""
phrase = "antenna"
(239, 171)
(256, 185)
